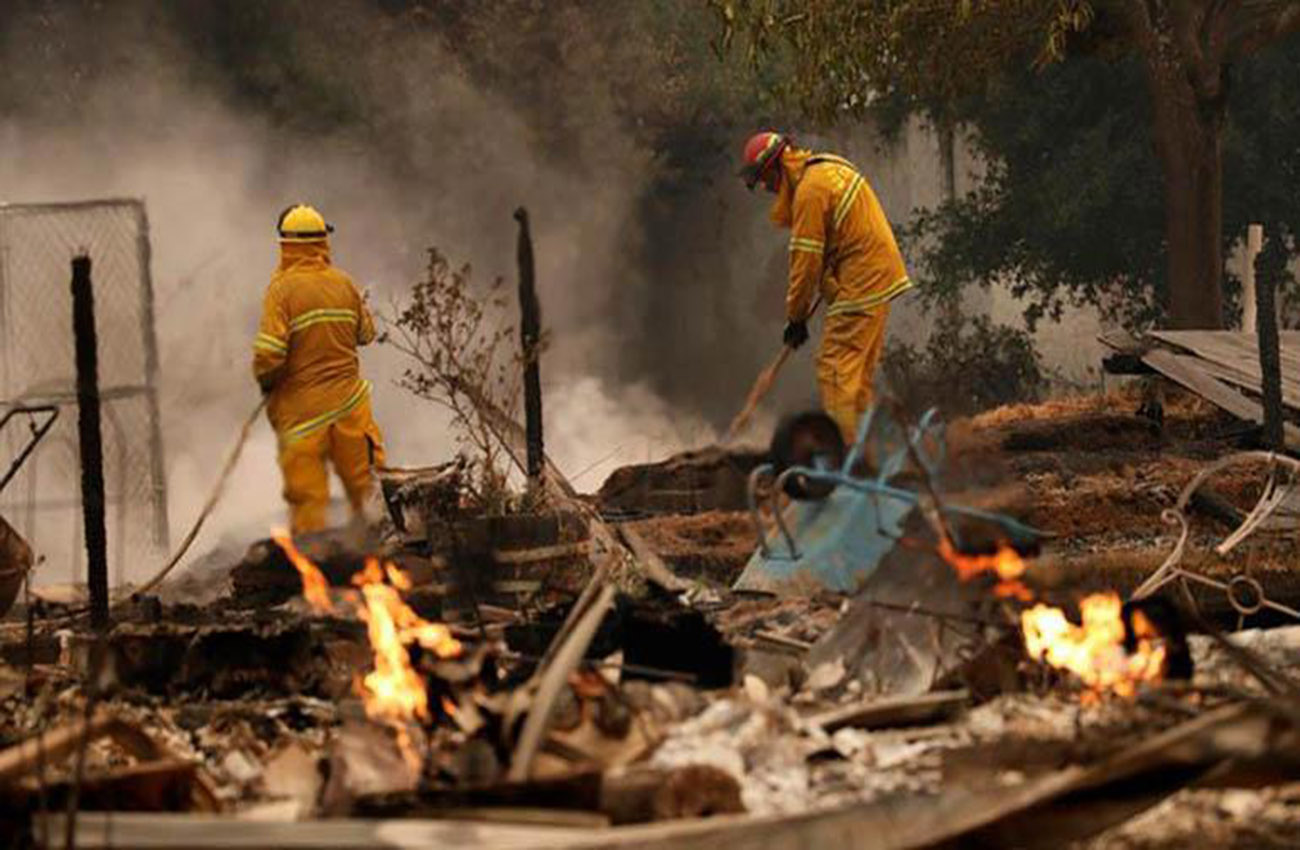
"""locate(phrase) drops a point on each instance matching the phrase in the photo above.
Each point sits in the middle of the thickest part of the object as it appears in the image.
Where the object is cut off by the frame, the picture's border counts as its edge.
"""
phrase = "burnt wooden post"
(530, 310)
(1270, 265)
(90, 440)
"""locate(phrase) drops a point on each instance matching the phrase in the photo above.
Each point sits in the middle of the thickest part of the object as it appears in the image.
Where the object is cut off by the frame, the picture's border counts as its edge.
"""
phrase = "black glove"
(796, 334)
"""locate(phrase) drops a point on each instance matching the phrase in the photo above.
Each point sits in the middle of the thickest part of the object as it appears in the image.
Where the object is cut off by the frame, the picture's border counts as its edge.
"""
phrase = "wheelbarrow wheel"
(810, 439)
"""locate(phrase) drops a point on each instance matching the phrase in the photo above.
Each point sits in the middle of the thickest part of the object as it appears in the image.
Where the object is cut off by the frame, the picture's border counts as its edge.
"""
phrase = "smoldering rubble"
(586, 675)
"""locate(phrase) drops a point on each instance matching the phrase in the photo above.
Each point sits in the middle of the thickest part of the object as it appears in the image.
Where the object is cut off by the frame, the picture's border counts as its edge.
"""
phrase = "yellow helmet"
(302, 223)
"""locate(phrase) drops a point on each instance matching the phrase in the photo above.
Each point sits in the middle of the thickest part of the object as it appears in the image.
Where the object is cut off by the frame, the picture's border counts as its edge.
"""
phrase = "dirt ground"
(1087, 469)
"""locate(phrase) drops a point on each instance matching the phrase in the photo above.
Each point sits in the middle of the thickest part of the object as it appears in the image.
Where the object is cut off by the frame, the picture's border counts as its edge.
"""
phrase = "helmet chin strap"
(772, 180)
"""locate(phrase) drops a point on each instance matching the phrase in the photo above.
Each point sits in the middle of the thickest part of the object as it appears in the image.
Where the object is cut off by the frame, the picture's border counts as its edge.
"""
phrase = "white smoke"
(456, 163)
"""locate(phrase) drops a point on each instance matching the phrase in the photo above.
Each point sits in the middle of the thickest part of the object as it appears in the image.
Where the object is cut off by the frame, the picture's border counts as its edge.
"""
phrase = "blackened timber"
(530, 334)
(90, 439)
(1270, 265)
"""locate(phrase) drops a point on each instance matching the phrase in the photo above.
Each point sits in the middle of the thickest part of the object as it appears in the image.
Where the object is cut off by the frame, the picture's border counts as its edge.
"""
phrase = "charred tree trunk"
(1188, 48)
(530, 336)
(90, 439)
(1270, 267)
(1187, 85)
(1192, 158)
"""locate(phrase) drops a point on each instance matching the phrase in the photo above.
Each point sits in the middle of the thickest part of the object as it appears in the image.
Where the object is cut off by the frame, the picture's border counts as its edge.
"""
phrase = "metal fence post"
(157, 460)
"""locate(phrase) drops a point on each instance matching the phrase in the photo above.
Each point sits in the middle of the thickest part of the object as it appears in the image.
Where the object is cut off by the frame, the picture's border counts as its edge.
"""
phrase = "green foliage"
(966, 366)
(1262, 143)
(844, 57)
(1071, 209)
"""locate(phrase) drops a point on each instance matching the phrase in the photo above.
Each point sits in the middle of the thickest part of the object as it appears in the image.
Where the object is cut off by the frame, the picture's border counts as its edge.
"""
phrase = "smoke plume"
(404, 141)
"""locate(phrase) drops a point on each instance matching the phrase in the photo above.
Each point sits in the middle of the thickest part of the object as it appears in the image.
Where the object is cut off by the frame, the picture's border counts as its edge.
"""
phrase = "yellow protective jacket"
(840, 241)
(305, 352)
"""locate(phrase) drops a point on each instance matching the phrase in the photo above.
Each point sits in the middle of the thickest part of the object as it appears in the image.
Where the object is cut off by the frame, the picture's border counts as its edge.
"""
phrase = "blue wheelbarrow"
(848, 506)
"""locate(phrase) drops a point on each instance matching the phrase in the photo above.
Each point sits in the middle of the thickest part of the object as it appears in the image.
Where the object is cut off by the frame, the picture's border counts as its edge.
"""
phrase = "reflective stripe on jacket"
(305, 350)
(840, 240)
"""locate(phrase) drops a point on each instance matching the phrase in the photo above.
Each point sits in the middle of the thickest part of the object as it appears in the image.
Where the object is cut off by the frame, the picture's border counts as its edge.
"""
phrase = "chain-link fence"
(37, 366)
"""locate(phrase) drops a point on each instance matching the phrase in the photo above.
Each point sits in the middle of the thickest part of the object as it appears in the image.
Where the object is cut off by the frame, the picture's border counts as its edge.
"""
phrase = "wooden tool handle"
(762, 386)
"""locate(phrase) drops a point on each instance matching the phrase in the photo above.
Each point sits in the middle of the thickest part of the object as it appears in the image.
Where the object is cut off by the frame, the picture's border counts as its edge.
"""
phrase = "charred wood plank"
(554, 675)
(50, 746)
(167, 785)
(652, 566)
(1186, 370)
(896, 711)
(140, 831)
(1214, 506)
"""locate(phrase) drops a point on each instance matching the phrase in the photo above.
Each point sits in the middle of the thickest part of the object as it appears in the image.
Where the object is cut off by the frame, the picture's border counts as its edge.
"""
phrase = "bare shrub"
(461, 343)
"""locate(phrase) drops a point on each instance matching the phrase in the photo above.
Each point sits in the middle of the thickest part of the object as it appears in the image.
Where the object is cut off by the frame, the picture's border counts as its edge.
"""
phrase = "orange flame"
(1006, 564)
(397, 578)
(393, 692)
(315, 587)
(1094, 650)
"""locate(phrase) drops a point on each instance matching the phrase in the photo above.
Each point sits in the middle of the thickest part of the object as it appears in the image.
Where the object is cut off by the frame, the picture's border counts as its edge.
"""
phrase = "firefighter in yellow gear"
(842, 247)
(305, 360)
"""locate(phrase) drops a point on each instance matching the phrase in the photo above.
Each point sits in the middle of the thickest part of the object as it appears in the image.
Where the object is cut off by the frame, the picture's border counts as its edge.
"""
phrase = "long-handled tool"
(762, 386)
(213, 498)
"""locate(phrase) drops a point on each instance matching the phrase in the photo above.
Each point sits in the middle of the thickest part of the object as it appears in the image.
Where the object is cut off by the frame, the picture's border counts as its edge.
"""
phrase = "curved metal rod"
(777, 489)
(1226, 587)
(855, 450)
(1270, 499)
(927, 424)
(1165, 572)
(37, 433)
(871, 486)
(1236, 459)
(751, 496)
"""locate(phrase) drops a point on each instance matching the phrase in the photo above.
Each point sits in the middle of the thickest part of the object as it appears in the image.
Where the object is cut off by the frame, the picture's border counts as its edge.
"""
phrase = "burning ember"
(1005, 563)
(1093, 650)
(315, 588)
(394, 692)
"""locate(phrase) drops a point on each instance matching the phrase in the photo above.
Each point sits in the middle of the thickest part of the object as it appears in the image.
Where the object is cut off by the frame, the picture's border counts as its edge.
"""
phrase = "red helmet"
(762, 151)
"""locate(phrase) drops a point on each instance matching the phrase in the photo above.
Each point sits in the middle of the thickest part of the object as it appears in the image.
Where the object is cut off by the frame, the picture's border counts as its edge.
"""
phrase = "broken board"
(1219, 363)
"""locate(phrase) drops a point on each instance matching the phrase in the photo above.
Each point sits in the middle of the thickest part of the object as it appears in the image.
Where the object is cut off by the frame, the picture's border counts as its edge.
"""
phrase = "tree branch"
(1259, 23)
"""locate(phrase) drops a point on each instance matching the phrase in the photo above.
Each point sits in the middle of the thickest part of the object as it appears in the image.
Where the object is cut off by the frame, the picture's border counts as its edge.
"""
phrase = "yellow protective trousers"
(352, 444)
(846, 364)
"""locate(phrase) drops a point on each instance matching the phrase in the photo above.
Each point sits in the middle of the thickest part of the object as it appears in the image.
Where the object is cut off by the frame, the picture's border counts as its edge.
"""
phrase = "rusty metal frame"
(37, 432)
(1275, 493)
